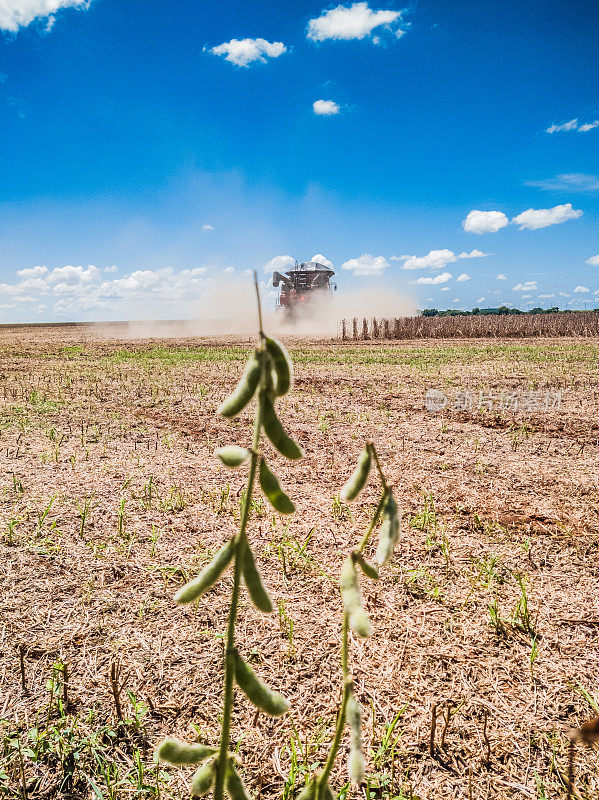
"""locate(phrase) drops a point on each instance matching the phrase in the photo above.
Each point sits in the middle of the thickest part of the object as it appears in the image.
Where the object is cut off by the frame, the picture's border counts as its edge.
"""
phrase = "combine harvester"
(303, 288)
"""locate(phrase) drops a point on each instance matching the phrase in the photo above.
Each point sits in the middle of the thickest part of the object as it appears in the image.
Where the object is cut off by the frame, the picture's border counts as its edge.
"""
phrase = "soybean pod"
(282, 367)
(261, 696)
(253, 580)
(275, 432)
(359, 477)
(245, 389)
(208, 576)
(179, 754)
(272, 489)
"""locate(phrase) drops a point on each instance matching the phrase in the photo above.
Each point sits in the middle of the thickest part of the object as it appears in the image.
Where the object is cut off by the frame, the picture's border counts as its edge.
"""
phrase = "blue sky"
(149, 149)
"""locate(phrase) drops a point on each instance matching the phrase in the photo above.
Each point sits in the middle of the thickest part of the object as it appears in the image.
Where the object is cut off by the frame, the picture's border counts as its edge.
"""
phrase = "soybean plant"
(356, 619)
(269, 374)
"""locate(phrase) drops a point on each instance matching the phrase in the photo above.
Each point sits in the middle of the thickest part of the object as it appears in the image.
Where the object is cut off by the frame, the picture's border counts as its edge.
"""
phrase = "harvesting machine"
(302, 285)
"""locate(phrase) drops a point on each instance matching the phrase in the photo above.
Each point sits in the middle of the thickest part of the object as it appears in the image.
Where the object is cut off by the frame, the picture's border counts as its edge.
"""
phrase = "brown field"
(487, 616)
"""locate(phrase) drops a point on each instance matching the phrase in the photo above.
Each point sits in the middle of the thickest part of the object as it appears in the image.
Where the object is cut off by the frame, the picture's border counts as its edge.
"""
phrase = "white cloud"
(573, 125)
(563, 126)
(445, 288)
(366, 265)
(581, 290)
(527, 286)
(279, 264)
(481, 299)
(15, 14)
(322, 260)
(228, 270)
(110, 270)
(351, 22)
(532, 219)
(72, 276)
(485, 221)
(593, 261)
(207, 227)
(501, 277)
(443, 277)
(32, 272)
(326, 108)
(435, 259)
(568, 182)
(463, 277)
(474, 254)
(546, 296)
(588, 126)
(563, 294)
(243, 52)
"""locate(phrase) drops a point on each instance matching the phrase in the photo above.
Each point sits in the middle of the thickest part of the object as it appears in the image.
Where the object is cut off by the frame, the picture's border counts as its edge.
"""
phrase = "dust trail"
(228, 307)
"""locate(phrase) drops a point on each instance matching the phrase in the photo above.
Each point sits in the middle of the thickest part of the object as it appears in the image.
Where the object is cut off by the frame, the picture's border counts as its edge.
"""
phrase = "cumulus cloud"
(279, 264)
(463, 277)
(71, 290)
(481, 299)
(501, 277)
(568, 182)
(366, 265)
(435, 259)
(485, 221)
(532, 219)
(32, 272)
(15, 14)
(593, 261)
(357, 21)
(322, 260)
(581, 290)
(207, 227)
(244, 52)
(527, 286)
(326, 108)
(443, 277)
(474, 254)
(546, 296)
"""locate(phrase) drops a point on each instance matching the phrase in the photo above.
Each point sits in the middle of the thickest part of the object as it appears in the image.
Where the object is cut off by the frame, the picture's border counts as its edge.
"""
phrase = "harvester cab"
(302, 284)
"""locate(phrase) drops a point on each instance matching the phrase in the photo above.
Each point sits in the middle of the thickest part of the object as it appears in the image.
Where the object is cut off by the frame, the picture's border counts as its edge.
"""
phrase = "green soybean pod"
(359, 477)
(208, 576)
(245, 389)
(368, 569)
(272, 489)
(352, 600)
(309, 791)
(275, 432)
(355, 763)
(234, 785)
(282, 366)
(258, 693)
(232, 456)
(202, 781)
(179, 754)
(253, 581)
(389, 532)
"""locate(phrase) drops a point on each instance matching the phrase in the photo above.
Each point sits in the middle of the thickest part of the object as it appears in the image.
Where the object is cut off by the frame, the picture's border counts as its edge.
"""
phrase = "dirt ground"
(486, 619)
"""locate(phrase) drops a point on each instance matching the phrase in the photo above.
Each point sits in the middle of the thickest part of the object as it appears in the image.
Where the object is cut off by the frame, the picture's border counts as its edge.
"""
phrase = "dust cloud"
(228, 308)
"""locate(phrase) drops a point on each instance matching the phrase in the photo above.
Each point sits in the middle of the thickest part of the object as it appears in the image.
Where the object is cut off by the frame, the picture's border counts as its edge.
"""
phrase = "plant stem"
(219, 782)
(347, 690)
(259, 306)
(374, 454)
(374, 521)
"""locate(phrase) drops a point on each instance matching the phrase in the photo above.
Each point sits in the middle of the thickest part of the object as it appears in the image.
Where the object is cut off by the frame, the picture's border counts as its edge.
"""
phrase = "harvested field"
(486, 619)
